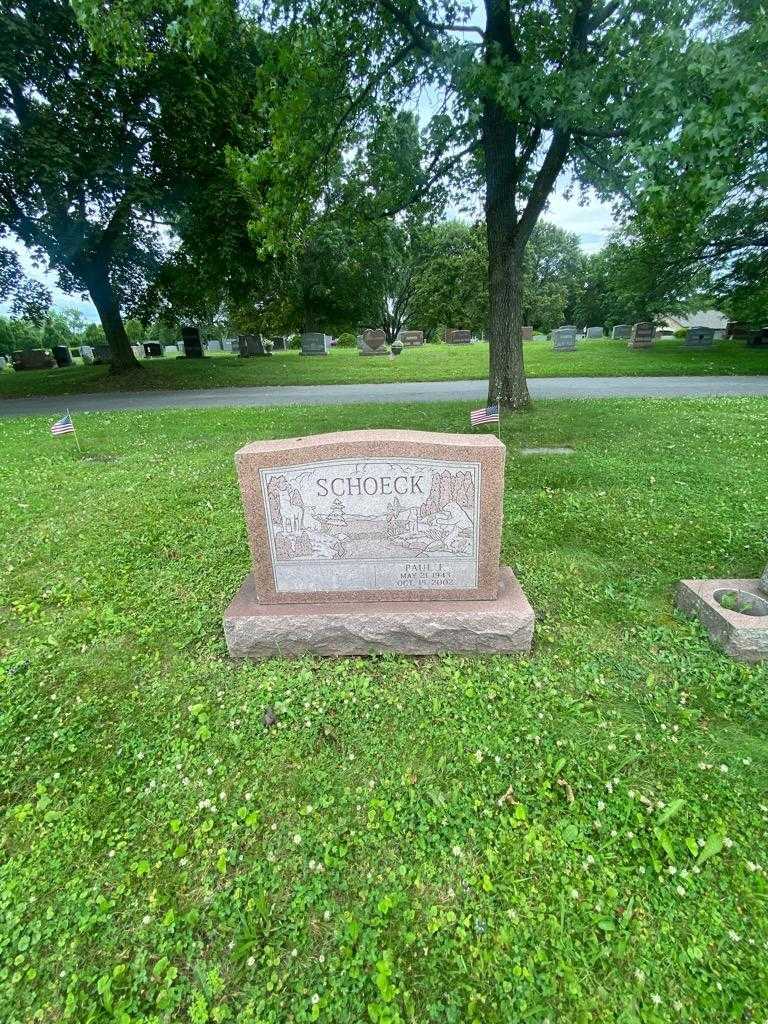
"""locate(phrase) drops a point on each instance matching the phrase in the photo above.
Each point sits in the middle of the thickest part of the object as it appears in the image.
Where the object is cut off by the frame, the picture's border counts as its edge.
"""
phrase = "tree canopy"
(105, 165)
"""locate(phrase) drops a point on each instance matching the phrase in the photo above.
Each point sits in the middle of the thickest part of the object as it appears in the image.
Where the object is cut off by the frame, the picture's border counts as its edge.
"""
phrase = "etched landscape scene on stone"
(365, 512)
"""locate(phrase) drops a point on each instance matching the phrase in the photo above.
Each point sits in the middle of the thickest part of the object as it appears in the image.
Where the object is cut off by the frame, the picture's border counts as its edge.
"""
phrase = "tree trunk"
(104, 299)
(506, 377)
(507, 384)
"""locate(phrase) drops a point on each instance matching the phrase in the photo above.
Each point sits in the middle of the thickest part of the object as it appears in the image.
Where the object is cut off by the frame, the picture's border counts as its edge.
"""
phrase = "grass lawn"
(167, 859)
(432, 362)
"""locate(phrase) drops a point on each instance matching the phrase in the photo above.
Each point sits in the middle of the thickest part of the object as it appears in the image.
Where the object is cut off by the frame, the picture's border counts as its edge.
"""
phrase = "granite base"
(504, 625)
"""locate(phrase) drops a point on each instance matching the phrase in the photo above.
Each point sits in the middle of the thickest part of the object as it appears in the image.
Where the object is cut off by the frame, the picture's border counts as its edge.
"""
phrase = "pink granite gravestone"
(375, 540)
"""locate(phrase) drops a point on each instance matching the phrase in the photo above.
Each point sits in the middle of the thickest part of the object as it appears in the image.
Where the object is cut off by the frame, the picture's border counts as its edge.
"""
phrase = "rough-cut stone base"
(254, 630)
(744, 637)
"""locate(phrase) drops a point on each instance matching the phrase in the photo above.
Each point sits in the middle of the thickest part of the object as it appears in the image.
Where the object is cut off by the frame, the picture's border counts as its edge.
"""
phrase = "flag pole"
(74, 431)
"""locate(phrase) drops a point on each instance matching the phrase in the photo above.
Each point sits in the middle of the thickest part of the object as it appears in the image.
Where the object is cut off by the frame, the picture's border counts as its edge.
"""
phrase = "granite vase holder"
(733, 611)
(374, 541)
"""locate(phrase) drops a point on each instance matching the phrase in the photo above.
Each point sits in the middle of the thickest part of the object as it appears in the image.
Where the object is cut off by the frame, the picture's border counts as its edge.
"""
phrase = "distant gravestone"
(33, 359)
(737, 330)
(642, 335)
(102, 354)
(622, 332)
(700, 337)
(564, 339)
(374, 343)
(594, 332)
(280, 343)
(170, 350)
(412, 339)
(213, 346)
(86, 353)
(315, 344)
(370, 541)
(2, 363)
(458, 337)
(193, 345)
(62, 355)
(758, 338)
(527, 334)
(153, 350)
(252, 345)
(228, 345)
(138, 351)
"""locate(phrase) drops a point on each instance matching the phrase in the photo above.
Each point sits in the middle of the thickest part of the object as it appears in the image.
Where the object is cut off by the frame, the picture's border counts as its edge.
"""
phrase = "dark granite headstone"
(252, 345)
(737, 329)
(758, 338)
(193, 345)
(153, 350)
(280, 343)
(33, 359)
(622, 332)
(62, 355)
(102, 354)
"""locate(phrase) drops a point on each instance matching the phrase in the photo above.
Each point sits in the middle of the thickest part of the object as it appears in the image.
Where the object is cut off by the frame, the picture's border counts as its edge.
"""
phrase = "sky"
(592, 224)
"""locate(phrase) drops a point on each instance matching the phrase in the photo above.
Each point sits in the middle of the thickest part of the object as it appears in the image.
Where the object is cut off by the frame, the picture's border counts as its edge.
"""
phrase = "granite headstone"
(193, 345)
(458, 337)
(700, 337)
(62, 355)
(642, 335)
(564, 339)
(315, 344)
(374, 343)
(375, 540)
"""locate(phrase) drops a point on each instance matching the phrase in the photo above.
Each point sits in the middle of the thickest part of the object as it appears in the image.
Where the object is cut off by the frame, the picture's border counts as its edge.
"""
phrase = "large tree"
(104, 163)
(528, 93)
(698, 207)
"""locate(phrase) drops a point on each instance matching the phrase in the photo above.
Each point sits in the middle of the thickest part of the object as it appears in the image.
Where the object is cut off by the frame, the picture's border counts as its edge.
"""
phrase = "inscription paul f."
(410, 524)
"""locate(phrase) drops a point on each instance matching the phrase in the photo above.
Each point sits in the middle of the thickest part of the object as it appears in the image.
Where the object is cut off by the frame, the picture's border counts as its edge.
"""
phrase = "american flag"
(63, 426)
(490, 414)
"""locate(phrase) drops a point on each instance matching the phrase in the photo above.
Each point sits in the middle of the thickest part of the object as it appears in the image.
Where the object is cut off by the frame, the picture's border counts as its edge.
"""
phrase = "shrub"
(346, 340)
(681, 332)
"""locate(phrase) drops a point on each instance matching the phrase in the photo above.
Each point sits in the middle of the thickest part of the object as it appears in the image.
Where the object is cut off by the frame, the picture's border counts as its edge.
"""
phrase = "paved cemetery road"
(344, 394)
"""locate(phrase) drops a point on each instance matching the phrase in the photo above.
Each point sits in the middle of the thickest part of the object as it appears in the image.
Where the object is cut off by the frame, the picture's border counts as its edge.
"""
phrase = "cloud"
(592, 222)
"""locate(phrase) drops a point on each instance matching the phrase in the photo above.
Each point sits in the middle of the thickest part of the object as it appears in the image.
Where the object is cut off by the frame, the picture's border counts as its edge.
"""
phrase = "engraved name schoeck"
(348, 486)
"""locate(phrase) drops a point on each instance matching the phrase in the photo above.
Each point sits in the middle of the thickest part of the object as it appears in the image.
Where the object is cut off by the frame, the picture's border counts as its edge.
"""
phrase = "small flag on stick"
(65, 426)
(490, 414)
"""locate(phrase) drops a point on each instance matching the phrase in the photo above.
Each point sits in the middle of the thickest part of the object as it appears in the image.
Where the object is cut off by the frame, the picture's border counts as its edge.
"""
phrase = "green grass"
(432, 362)
(167, 859)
